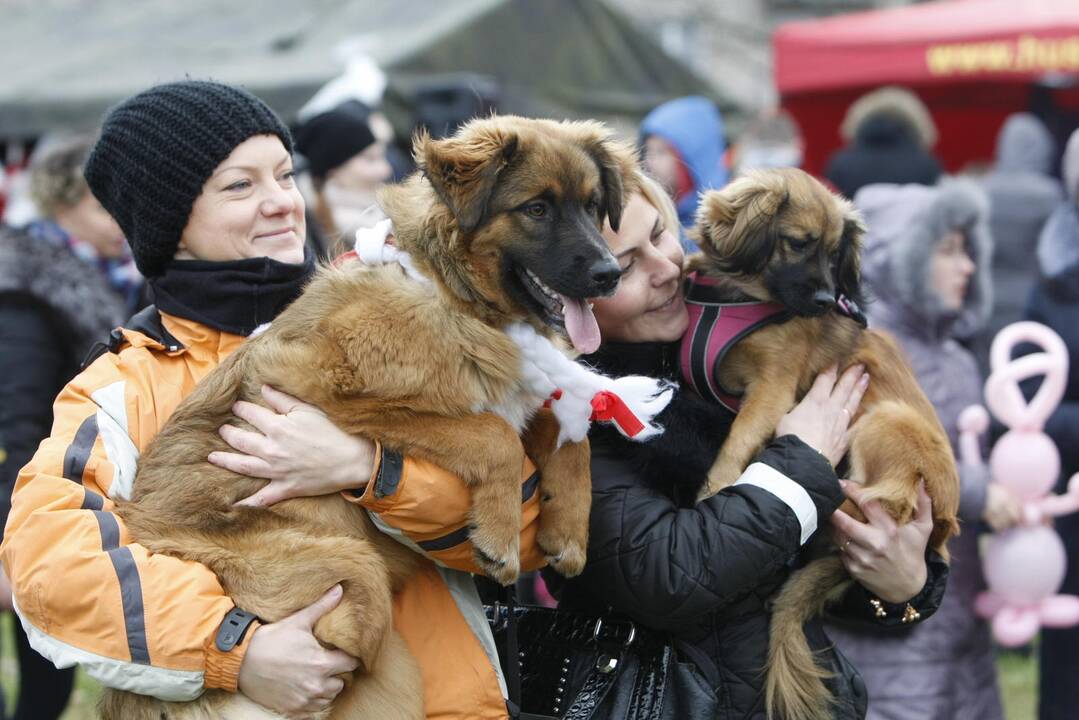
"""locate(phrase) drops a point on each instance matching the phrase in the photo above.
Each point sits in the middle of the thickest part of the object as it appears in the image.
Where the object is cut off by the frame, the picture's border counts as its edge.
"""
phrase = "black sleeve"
(1063, 428)
(1063, 425)
(30, 368)
(855, 604)
(664, 565)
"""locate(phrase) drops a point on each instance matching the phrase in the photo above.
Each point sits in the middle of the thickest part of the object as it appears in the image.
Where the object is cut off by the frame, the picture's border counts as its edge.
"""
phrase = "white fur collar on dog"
(577, 394)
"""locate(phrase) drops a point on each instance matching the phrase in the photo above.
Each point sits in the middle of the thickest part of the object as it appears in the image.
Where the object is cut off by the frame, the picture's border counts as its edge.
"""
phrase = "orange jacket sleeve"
(427, 508)
(84, 592)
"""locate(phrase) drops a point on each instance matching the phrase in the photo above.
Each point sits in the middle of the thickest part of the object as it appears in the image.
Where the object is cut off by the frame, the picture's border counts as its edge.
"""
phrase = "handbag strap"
(513, 658)
(595, 689)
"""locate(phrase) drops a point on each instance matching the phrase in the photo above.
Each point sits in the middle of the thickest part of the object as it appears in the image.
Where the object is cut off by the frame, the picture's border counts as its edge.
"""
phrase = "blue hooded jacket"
(694, 127)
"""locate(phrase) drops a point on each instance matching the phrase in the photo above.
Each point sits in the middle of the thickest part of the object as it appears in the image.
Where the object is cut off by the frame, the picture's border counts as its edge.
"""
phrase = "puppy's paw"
(566, 558)
(719, 477)
(498, 555)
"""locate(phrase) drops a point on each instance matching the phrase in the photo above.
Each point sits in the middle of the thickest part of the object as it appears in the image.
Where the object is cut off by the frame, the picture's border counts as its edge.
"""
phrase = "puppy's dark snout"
(605, 274)
(824, 299)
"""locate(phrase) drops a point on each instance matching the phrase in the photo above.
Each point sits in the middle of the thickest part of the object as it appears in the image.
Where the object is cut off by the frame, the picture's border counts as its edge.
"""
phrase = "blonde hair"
(657, 197)
(56, 180)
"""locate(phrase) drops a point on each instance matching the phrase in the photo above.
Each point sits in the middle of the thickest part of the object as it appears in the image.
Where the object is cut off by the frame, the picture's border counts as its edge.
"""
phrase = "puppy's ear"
(617, 163)
(735, 225)
(463, 169)
(848, 275)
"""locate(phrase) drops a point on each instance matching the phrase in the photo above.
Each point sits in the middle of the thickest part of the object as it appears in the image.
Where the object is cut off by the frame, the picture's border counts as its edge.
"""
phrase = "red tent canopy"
(972, 61)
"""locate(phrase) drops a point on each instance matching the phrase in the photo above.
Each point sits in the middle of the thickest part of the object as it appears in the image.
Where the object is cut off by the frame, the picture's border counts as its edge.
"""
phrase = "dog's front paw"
(498, 555)
(564, 556)
(719, 477)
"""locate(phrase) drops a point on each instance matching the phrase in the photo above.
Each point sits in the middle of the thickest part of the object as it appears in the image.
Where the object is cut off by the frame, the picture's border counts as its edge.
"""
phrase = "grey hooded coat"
(941, 669)
(1022, 194)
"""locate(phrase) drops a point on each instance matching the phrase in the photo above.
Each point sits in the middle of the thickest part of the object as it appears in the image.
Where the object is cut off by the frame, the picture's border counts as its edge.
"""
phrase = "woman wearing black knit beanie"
(346, 165)
(199, 177)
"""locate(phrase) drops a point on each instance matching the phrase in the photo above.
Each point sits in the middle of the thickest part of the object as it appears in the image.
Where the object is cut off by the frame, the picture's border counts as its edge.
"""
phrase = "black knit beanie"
(332, 138)
(157, 150)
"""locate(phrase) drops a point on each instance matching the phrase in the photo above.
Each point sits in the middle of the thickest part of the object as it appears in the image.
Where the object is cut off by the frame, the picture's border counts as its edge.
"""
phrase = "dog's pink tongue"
(580, 324)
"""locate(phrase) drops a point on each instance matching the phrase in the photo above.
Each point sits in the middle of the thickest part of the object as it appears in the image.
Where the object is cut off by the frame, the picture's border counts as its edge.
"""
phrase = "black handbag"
(573, 666)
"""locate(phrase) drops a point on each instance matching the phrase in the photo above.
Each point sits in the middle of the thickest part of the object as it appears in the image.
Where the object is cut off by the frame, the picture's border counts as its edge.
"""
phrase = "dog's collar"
(849, 308)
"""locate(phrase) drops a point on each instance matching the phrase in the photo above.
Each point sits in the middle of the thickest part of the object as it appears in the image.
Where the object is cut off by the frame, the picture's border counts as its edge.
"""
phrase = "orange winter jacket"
(86, 594)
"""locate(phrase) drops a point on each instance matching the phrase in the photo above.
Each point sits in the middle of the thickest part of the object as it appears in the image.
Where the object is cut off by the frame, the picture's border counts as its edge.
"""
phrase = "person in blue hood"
(683, 145)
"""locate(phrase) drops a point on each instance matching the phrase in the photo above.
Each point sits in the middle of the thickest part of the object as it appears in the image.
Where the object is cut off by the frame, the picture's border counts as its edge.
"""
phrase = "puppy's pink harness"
(715, 327)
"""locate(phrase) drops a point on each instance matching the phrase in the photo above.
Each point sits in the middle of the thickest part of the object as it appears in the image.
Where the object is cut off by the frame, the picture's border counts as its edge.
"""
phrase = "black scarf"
(235, 296)
(618, 359)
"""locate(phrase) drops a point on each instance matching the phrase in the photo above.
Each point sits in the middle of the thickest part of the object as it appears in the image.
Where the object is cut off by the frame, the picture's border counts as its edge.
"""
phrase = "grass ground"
(1018, 682)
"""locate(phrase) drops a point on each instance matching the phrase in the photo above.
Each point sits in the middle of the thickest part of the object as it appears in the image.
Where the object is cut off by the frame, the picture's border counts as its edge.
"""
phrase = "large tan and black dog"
(780, 236)
(504, 219)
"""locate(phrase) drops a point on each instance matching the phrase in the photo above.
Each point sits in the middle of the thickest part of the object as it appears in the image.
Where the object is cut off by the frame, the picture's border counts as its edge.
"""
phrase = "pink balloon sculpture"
(1024, 566)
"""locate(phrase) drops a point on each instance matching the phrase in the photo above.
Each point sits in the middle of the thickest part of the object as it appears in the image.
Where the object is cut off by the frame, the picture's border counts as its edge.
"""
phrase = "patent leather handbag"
(573, 666)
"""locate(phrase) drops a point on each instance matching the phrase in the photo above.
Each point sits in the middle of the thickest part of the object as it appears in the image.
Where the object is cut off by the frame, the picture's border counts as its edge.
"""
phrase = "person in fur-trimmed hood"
(64, 284)
(889, 134)
(66, 280)
(1054, 301)
(926, 262)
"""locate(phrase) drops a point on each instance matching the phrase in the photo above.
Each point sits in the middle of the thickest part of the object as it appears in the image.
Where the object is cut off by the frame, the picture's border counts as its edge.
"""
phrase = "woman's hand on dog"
(296, 447)
(286, 669)
(822, 419)
(887, 559)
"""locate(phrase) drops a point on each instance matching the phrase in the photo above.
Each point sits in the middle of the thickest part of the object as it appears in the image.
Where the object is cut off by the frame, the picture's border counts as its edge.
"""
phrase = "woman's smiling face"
(249, 207)
(648, 305)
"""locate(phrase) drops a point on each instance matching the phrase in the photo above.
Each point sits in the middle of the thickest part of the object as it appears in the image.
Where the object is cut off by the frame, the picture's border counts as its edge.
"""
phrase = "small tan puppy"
(780, 236)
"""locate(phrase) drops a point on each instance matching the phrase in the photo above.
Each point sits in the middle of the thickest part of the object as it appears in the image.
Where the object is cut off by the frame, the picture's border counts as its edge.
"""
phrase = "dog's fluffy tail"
(794, 687)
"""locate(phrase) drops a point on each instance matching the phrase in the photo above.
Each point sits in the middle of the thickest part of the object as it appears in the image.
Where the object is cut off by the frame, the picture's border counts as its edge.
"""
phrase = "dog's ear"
(848, 273)
(463, 169)
(617, 163)
(736, 225)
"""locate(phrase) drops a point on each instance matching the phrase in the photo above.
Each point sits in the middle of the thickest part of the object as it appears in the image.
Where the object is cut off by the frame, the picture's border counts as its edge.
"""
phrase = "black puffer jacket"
(885, 150)
(704, 574)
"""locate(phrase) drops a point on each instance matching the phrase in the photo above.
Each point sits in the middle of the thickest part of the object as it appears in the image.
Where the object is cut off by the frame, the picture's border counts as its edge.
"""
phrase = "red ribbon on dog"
(344, 258)
(556, 395)
(608, 407)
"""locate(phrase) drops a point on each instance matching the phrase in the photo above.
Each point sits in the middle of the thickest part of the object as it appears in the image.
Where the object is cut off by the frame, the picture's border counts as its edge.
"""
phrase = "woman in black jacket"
(703, 574)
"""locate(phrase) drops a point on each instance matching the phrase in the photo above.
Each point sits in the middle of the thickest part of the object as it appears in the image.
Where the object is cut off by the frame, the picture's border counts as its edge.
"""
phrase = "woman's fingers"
(852, 530)
(822, 386)
(854, 400)
(923, 514)
(245, 441)
(846, 385)
(283, 403)
(242, 464)
(270, 494)
(875, 515)
(257, 416)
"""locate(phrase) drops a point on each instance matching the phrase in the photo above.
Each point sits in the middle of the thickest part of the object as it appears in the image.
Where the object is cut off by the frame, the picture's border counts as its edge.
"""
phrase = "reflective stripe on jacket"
(86, 594)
